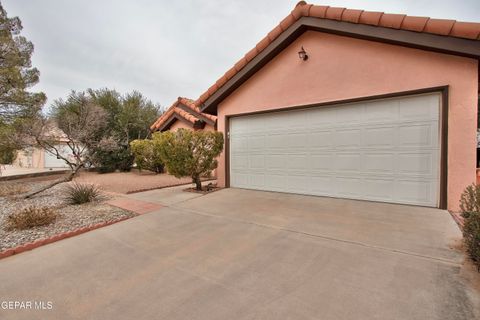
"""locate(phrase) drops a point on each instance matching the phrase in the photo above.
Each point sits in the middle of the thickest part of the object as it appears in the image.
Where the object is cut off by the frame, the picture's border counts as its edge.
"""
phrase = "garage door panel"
(379, 137)
(276, 182)
(257, 180)
(381, 111)
(322, 162)
(320, 139)
(348, 161)
(419, 135)
(379, 189)
(379, 162)
(417, 163)
(298, 183)
(322, 185)
(297, 162)
(347, 138)
(256, 142)
(412, 108)
(384, 150)
(276, 161)
(320, 118)
(415, 191)
(349, 187)
(349, 114)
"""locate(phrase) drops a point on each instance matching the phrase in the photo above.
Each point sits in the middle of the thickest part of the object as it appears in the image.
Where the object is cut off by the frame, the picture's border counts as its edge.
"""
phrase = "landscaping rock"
(70, 217)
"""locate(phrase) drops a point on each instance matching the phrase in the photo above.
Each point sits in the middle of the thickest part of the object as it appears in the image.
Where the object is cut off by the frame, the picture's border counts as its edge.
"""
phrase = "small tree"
(81, 124)
(189, 153)
(16, 76)
(147, 155)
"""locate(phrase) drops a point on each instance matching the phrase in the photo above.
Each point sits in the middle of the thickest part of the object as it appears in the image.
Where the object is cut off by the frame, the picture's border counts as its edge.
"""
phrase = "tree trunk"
(198, 183)
(68, 178)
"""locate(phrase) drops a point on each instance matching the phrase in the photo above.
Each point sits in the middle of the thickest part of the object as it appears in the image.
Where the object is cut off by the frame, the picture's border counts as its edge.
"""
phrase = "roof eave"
(425, 41)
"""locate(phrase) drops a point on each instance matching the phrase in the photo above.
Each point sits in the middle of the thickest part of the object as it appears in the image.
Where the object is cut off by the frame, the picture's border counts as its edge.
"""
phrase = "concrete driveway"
(239, 254)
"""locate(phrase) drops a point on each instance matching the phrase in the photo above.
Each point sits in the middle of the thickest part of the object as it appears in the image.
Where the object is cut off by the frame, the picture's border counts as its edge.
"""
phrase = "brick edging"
(41, 242)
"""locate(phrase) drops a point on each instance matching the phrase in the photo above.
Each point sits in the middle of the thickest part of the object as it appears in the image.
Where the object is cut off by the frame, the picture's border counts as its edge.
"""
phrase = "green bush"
(147, 157)
(188, 153)
(31, 217)
(470, 200)
(470, 207)
(78, 193)
(109, 156)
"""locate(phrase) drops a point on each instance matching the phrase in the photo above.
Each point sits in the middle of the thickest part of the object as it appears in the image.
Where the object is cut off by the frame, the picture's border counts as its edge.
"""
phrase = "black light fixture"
(302, 54)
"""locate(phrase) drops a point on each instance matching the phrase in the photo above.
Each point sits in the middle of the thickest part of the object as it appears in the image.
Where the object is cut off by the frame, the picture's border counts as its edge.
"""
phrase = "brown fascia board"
(196, 114)
(424, 41)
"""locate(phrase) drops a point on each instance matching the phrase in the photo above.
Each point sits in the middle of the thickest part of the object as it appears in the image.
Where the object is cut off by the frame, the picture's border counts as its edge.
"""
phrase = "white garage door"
(386, 150)
(51, 161)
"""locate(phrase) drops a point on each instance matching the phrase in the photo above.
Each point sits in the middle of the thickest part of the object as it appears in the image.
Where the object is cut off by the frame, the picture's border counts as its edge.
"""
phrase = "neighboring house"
(41, 159)
(353, 104)
(184, 114)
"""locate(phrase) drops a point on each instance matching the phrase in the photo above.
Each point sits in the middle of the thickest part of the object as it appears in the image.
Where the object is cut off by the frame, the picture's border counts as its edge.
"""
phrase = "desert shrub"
(31, 217)
(188, 153)
(470, 207)
(470, 200)
(471, 236)
(78, 193)
(109, 156)
(147, 155)
(12, 189)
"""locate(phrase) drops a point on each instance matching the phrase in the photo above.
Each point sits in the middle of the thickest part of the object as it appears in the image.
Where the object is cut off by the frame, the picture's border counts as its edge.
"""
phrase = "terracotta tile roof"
(443, 27)
(175, 109)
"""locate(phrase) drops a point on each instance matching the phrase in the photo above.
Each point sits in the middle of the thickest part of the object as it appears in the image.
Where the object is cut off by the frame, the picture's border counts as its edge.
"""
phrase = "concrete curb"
(41, 242)
(33, 175)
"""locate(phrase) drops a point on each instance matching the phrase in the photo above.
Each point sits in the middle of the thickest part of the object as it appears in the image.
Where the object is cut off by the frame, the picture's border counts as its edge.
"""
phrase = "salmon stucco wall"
(342, 68)
(180, 124)
(35, 158)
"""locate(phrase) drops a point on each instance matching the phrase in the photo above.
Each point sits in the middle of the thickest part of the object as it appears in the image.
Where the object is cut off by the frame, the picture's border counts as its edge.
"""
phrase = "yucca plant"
(79, 193)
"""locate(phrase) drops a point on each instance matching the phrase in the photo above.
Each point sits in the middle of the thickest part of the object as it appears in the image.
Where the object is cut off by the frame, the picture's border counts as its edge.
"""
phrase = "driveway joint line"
(396, 251)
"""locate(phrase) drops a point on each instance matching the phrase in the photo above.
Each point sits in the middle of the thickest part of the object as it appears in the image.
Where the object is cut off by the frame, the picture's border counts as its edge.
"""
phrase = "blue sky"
(166, 49)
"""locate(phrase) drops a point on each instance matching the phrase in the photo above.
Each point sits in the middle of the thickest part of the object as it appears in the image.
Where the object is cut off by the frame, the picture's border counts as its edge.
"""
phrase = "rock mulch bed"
(70, 217)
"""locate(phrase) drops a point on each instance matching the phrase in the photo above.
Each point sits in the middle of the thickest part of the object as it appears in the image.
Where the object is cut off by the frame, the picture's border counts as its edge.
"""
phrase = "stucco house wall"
(179, 125)
(182, 125)
(342, 68)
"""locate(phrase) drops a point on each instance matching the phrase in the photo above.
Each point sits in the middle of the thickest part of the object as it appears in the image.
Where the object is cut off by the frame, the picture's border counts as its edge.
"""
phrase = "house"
(184, 114)
(36, 157)
(353, 104)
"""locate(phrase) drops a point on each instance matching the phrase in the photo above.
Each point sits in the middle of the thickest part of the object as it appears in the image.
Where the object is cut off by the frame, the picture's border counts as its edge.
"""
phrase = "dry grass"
(12, 189)
(31, 217)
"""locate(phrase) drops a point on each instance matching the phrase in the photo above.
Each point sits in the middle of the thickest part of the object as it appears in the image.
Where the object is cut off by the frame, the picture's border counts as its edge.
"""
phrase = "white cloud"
(166, 49)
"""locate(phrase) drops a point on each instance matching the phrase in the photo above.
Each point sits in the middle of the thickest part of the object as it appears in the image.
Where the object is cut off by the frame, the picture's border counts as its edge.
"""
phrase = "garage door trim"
(443, 90)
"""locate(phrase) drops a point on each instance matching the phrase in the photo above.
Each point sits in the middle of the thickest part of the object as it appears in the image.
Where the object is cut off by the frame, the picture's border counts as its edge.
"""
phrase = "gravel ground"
(127, 182)
(71, 217)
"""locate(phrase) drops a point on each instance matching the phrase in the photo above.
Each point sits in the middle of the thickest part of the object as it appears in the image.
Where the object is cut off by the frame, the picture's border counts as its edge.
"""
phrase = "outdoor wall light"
(302, 54)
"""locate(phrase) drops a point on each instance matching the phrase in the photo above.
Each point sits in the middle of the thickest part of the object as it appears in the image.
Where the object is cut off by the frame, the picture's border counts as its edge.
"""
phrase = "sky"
(166, 49)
